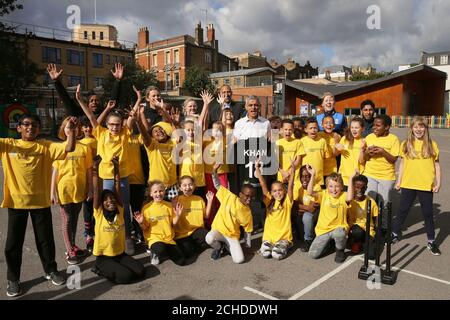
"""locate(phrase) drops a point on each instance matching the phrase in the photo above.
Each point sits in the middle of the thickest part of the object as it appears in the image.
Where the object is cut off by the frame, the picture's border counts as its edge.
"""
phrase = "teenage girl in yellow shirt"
(109, 243)
(332, 138)
(419, 176)
(277, 236)
(71, 185)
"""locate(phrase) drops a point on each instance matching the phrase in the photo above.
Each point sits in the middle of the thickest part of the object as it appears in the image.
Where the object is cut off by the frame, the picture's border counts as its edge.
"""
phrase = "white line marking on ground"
(260, 293)
(413, 273)
(324, 278)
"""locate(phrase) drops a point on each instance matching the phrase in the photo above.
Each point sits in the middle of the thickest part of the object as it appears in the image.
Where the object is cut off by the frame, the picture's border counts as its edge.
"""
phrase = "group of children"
(189, 204)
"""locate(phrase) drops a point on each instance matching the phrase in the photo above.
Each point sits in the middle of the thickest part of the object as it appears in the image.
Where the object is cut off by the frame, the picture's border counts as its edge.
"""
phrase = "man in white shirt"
(252, 125)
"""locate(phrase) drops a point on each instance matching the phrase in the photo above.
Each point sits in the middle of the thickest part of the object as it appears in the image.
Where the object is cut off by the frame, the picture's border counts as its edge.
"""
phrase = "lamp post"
(53, 130)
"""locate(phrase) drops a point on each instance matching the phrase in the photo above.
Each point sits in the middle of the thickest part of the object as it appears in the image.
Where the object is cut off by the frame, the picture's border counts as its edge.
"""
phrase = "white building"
(335, 73)
(440, 61)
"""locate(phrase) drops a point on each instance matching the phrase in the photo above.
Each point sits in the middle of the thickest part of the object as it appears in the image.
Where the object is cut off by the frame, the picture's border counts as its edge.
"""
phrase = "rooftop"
(242, 72)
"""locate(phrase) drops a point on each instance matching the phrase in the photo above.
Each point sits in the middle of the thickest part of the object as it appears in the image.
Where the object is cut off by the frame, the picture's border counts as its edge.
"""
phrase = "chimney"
(199, 34)
(211, 33)
(143, 38)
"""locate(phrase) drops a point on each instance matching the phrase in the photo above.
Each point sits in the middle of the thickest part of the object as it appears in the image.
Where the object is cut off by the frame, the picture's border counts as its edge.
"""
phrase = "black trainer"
(56, 277)
(432, 246)
(13, 289)
(340, 256)
(304, 247)
(217, 253)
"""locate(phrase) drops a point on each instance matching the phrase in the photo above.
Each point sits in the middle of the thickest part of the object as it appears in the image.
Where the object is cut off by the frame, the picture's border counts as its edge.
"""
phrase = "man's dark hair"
(367, 102)
(361, 178)
(33, 117)
(247, 186)
(385, 118)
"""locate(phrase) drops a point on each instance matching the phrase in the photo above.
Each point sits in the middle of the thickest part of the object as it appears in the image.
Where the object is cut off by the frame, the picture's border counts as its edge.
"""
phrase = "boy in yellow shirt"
(316, 149)
(357, 215)
(109, 245)
(27, 165)
(234, 212)
(332, 223)
(381, 150)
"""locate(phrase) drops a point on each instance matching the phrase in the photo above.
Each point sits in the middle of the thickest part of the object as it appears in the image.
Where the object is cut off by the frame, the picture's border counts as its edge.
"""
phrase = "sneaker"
(217, 253)
(155, 259)
(73, 260)
(304, 247)
(96, 270)
(432, 246)
(266, 254)
(356, 247)
(340, 256)
(129, 247)
(89, 244)
(394, 238)
(13, 289)
(56, 277)
(79, 252)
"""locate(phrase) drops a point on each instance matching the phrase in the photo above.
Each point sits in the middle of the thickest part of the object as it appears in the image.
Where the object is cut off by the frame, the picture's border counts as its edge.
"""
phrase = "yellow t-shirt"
(192, 162)
(278, 222)
(159, 216)
(350, 159)
(333, 212)
(134, 161)
(357, 214)
(109, 146)
(92, 143)
(211, 150)
(161, 165)
(109, 236)
(378, 167)
(329, 164)
(231, 215)
(316, 151)
(419, 174)
(27, 171)
(192, 217)
(72, 183)
(303, 197)
(289, 149)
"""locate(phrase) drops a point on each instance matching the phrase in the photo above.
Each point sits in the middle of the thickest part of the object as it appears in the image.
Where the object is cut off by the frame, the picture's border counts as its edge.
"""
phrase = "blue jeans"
(308, 225)
(125, 192)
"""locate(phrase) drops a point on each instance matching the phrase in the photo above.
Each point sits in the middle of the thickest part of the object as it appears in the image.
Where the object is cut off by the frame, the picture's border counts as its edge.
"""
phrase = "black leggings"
(407, 198)
(172, 251)
(88, 217)
(192, 245)
(137, 192)
(121, 269)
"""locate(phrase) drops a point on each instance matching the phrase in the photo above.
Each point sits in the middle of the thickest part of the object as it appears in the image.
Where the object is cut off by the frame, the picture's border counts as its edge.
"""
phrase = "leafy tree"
(197, 80)
(359, 76)
(17, 71)
(133, 75)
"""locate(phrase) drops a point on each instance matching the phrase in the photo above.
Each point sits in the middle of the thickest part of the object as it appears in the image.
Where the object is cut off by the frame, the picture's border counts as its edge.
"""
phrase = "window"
(114, 59)
(208, 56)
(75, 57)
(176, 80)
(101, 35)
(155, 60)
(128, 59)
(98, 82)
(52, 55)
(237, 81)
(93, 35)
(167, 57)
(75, 80)
(430, 61)
(85, 36)
(444, 59)
(107, 59)
(215, 82)
(226, 81)
(380, 110)
(168, 82)
(177, 56)
(352, 111)
(97, 60)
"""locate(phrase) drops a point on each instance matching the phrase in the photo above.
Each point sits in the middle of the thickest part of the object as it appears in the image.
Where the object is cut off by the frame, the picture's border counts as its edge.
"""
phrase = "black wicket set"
(387, 275)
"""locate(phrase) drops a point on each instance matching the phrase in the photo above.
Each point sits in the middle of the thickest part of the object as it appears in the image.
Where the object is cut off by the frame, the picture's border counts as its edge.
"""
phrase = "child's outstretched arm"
(139, 217)
(88, 112)
(350, 189)
(54, 191)
(258, 173)
(96, 181)
(115, 161)
(214, 176)
(70, 128)
(400, 174)
(291, 180)
(109, 107)
(209, 204)
(312, 172)
(178, 209)
(207, 99)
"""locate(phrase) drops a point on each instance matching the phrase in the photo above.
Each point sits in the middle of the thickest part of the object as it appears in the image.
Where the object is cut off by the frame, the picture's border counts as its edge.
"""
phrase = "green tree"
(133, 75)
(197, 80)
(17, 71)
(359, 76)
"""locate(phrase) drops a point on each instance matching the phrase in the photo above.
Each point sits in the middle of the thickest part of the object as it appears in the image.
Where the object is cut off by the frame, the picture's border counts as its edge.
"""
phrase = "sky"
(334, 32)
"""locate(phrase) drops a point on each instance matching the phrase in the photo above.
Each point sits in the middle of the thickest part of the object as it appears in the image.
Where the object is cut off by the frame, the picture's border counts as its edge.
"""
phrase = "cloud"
(280, 29)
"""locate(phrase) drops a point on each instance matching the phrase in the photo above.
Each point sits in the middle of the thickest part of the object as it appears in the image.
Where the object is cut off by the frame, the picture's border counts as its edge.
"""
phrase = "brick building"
(292, 70)
(170, 58)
